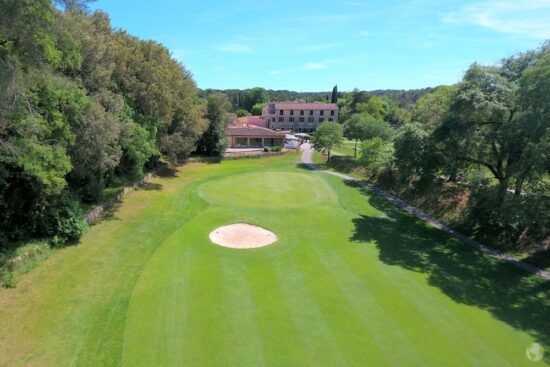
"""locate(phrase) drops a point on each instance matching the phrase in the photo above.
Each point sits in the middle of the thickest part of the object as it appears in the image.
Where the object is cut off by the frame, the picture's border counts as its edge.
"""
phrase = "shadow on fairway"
(466, 275)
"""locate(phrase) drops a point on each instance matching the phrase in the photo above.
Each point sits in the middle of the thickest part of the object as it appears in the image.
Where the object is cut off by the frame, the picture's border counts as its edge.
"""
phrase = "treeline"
(82, 107)
(244, 100)
(490, 132)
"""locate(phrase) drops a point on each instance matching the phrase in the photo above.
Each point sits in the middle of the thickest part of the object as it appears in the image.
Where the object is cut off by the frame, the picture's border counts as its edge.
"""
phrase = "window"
(322, 113)
(310, 119)
(281, 119)
(280, 112)
(300, 119)
(311, 112)
(241, 142)
(273, 119)
(255, 142)
(291, 112)
(301, 112)
(330, 119)
(321, 119)
(291, 119)
(332, 112)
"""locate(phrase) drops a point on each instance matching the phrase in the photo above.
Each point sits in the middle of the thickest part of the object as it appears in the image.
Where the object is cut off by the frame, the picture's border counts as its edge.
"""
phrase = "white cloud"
(235, 48)
(315, 65)
(529, 18)
(180, 53)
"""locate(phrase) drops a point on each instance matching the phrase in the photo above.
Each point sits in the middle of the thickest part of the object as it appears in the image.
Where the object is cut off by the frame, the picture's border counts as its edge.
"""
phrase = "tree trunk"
(502, 190)
(519, 186)
(355, 150)
(328, 156)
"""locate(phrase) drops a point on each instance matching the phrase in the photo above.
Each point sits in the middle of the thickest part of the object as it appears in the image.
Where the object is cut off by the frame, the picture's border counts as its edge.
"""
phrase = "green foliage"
(376, 154)
(81, 105)
(257, 109)
(414, 152)
(327, 136)
(254, 96)
(334, 96)
(8, 279)
(276, 148)
(431, 109)
(64, 221)
(214, 141)
(241, 112)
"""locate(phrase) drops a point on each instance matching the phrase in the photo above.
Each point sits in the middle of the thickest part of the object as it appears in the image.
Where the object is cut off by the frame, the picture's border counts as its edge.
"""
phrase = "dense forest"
(82, 107)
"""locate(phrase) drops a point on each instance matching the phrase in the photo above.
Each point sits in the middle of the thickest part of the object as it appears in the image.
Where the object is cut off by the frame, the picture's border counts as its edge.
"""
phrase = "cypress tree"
(334, 98)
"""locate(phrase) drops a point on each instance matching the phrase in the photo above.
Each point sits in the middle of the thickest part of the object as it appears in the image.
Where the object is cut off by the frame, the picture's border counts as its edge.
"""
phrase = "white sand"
(242, 236)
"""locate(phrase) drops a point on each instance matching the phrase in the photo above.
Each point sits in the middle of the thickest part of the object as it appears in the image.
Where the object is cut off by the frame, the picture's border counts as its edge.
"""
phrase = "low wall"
(95, 214)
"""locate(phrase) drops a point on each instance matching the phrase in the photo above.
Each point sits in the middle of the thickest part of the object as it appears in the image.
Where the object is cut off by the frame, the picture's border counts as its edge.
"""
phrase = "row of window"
(302, 112)
(302, 119)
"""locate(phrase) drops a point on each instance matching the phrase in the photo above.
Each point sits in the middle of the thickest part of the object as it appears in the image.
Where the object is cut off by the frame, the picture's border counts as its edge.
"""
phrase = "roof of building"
(256, 120)
(252, 130)
(305, 106)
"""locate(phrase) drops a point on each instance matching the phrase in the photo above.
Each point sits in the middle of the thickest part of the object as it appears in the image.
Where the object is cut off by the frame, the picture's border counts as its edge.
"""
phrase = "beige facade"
(298, 116)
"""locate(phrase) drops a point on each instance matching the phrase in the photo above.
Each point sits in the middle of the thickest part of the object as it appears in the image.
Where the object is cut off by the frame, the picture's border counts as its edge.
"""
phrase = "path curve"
(307, 160)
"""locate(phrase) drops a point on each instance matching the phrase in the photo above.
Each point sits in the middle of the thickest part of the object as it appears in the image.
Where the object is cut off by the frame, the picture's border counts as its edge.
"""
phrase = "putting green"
(267, 190)
(344, 285)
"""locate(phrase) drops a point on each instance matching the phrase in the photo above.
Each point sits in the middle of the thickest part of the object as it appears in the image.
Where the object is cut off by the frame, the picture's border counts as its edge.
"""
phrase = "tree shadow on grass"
(463, 273)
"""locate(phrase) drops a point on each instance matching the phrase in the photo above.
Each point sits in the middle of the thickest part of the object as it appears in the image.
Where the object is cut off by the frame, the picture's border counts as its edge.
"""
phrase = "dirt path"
(307, 151)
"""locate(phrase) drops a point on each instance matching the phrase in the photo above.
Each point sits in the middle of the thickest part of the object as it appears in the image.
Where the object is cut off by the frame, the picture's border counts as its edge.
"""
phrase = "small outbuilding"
(252, 136)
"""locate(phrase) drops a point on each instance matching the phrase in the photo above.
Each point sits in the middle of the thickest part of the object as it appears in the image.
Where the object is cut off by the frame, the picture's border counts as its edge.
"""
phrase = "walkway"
(307, 151)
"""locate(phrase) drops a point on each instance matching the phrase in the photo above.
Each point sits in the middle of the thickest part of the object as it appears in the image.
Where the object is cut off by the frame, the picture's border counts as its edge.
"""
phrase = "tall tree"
(214, 140)
(334, 98)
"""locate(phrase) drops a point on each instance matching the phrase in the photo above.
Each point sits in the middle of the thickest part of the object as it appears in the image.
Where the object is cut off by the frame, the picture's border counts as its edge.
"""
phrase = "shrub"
(65, 222)
(267, 149)
(276, 148)
(8, 278)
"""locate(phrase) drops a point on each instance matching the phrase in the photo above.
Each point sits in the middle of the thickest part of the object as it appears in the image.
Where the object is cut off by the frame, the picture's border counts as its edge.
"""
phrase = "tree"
(334, 98)
(214, 140)
(257, 109)
(431, 109)
(362, 126)
(327, 136)
(241, 112)
(414, 152)
(376, 153)
(253, 96)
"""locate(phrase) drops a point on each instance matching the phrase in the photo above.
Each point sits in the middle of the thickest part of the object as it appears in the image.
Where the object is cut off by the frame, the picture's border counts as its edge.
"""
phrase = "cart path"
(307, 152)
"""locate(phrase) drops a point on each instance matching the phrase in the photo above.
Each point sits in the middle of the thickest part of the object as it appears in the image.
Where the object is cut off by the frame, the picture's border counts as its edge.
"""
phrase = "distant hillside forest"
(238, 97)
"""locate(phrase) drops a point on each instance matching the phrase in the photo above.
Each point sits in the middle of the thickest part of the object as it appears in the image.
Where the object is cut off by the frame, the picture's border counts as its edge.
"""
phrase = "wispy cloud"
(235, 48)
(315, 66)
(527, 18)
(180, 53)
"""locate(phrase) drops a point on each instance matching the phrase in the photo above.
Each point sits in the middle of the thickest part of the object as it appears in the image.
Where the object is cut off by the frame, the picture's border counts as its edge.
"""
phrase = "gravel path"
(307, 160)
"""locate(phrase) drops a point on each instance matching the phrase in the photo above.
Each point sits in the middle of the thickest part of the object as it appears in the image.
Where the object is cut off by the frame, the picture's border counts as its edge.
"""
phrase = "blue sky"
(308, 45)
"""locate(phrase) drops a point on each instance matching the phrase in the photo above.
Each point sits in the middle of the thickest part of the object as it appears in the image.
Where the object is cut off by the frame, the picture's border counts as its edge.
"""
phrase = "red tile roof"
(256, 120)
(305, 106)
(252, 130)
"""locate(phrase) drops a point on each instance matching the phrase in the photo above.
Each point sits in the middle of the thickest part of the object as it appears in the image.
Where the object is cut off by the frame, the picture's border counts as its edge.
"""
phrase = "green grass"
(351, 282)
(347, 148)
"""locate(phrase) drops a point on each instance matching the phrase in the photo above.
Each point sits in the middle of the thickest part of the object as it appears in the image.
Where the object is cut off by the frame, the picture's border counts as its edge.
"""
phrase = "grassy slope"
(350, 281)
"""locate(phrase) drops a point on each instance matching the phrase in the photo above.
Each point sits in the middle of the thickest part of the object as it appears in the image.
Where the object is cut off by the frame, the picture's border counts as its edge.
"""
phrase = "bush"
(276, 148)
(65, 222)
(267, 149)
(8, 278)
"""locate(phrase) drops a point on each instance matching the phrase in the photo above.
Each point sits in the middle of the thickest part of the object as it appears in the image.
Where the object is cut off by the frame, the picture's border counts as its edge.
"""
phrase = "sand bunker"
(242, 235)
